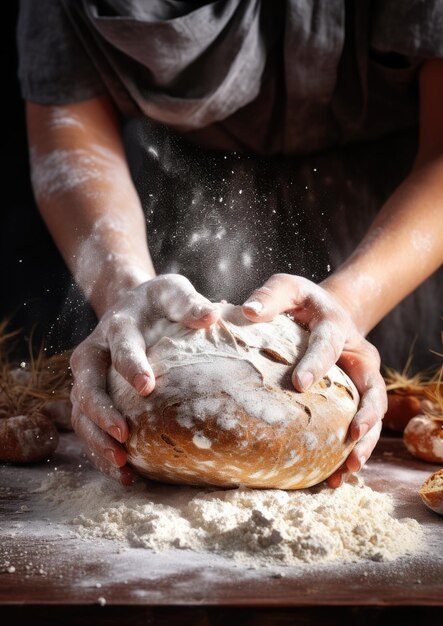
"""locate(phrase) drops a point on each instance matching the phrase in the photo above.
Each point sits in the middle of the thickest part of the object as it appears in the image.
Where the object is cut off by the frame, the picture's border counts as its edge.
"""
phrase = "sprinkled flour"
(257, 528)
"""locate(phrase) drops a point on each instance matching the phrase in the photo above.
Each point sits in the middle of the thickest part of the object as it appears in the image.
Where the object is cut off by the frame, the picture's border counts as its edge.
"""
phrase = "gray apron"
(289, 77)
(263, 137)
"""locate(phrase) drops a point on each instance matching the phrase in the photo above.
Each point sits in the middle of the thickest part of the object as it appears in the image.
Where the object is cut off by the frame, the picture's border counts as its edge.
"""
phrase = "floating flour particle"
(257, 527)
(246, 259)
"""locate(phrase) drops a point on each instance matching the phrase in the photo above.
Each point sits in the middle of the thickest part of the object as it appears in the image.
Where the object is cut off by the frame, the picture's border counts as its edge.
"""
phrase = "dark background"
(33, 278)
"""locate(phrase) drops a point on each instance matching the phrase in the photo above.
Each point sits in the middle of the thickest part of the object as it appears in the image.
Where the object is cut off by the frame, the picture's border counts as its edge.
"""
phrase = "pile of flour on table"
(254, 527)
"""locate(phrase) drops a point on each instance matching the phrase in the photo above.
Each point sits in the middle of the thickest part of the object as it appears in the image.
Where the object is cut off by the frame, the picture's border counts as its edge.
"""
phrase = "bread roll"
(431, 492)
(423, 437)
(401, 409)
(59, 411)
(27, 438)
(224, 411)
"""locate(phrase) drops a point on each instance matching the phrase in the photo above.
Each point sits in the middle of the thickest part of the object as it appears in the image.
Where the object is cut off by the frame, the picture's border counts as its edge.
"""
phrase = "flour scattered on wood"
(254, 527)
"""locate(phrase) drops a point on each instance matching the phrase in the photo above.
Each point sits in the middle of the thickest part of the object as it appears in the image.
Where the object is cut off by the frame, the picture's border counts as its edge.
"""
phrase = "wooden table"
(68, 576)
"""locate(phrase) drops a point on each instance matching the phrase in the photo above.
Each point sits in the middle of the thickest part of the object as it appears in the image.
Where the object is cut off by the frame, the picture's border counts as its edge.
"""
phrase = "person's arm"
(404, 245)
(402, 248)
(86, 196)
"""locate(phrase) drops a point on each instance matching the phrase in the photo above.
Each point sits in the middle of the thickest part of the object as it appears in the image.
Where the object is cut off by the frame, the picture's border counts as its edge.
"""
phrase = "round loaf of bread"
(224, 411)
(401, 409)
(27, 438)
(423, 437)
(431, 492)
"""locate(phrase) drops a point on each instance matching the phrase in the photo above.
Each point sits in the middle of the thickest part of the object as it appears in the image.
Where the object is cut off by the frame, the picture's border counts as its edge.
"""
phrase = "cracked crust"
(431, 492)
(224, 411)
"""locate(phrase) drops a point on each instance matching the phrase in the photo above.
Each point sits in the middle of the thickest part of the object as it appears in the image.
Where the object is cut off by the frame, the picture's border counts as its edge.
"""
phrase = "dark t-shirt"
(289, 77)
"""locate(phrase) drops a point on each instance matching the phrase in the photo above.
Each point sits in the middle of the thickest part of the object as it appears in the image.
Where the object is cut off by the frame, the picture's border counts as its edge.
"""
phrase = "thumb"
(279, 294)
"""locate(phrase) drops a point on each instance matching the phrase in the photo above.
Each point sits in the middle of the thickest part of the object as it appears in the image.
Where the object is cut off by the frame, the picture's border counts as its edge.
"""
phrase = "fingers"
(90, 365)
(128, 353)
(363, 449)
(311, 306)
(124, 475)
(287, 293)
(357, 458)
(102, 450)
(336, 479)
(326, 342)
(362, 364)
(171, 296)
(200, 317)
(371, 410)
(280, 293)
(96, 439)
(176, 298)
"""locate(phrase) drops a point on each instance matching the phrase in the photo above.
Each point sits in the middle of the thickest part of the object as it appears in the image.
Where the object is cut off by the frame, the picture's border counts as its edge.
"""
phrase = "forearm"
(401, 249)
(405, 243)
(86, 197)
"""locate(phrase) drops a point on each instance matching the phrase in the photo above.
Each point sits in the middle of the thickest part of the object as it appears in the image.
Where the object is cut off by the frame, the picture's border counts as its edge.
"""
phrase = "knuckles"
(167, 282)
(75, 421)
(372, 353)
(282, 277)
(172, 296)
(336, 348)
(116, 324)
(76, 359)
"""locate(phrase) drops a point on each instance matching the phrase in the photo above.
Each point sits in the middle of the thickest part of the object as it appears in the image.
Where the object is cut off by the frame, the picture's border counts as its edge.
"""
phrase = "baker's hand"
(119, 339)
(334, 338)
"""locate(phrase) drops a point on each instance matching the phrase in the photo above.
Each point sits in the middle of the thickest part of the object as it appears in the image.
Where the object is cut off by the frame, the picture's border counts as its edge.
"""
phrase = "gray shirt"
(270, 77)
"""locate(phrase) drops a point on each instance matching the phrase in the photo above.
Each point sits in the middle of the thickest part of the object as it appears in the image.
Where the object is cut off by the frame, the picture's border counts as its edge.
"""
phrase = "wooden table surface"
(54, 569)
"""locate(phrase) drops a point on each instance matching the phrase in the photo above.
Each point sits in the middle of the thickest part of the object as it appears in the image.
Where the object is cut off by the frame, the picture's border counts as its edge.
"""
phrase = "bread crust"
(234, 418)
(431, 492)
(27, 438)
(423, 437)
(401, 409)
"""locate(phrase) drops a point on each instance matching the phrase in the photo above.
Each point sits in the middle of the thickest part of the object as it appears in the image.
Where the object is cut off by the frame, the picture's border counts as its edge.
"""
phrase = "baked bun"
(401, 409)
(431, 492)
(27, 438)
(224, 411)
(423, 437)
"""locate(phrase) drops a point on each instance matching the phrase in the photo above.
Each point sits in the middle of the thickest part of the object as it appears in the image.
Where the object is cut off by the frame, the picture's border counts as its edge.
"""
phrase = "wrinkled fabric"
(328, 87)
(289, 77)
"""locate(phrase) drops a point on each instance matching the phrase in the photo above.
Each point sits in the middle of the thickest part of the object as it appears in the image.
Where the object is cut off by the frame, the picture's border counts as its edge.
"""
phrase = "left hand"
(334, 339)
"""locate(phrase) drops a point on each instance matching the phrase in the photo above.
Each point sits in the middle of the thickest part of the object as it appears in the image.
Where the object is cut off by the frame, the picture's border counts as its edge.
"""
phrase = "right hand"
(334, 338)
(119, 340)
